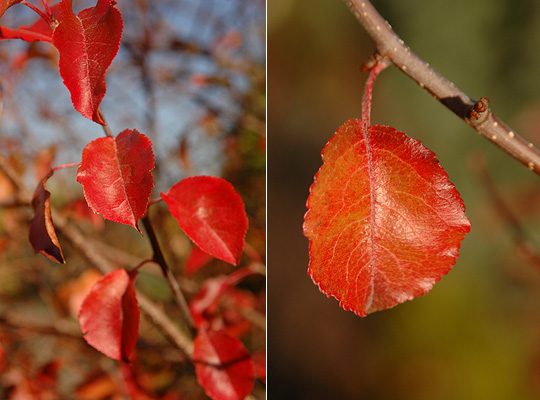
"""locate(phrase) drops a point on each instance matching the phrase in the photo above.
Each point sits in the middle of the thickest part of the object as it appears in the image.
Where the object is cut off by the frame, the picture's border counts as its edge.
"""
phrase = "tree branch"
(476, 114)
(167, 273)
(155, 314)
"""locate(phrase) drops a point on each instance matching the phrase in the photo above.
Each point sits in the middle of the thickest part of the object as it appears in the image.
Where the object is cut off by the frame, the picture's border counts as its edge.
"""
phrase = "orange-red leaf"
(383, 220)
(109, 315)
(223, 366)
(211, 213)
(116, 178)
(87, 44)
(42, 234)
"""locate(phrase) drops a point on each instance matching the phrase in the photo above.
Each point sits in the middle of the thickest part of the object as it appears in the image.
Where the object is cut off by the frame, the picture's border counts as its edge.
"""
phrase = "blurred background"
(477, 333)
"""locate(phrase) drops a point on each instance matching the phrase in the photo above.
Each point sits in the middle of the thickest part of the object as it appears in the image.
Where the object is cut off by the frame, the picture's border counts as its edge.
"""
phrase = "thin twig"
(94, 255)
(389, 45)
(154, 313)
(523, 243)
(171, 280)
(60, 327)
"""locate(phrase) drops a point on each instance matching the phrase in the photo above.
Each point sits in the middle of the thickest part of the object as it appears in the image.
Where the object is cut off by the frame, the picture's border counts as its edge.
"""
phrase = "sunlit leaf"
(383, 220)
(116, 178)
(211, 213)
(87, 44)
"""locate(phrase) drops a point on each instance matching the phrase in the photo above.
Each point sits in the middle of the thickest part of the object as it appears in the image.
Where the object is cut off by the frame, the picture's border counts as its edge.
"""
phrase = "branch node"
(478, 112)
(375, 59)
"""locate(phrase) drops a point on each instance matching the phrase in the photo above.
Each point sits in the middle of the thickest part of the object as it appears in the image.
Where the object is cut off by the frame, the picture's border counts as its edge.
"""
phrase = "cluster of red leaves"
(116, 176)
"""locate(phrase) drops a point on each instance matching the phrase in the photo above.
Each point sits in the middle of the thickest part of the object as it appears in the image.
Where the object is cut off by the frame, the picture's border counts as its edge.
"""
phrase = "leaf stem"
(375, 65)
(39, 12)
(105, 127)
(70, 165)
(389, 45)
(167, 273)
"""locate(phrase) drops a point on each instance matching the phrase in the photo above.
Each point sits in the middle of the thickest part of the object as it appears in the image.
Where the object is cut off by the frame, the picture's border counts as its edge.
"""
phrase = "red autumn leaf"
(42, 234)
(24, 33)
(116, 178)
(87, 44)
(211, 213)
(109, 315)
(221, 306)
(196, 259)
(383, 220)
(223, 366)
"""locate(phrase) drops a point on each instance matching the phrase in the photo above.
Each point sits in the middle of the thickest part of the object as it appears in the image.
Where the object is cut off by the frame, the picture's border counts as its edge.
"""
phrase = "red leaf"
(223, 366)
(383, 220)
(220, 306)
(24, 33)
(196, 259)
(87, 44)
(42, 234)
(211, 213)
(109, 315)
(116, 178)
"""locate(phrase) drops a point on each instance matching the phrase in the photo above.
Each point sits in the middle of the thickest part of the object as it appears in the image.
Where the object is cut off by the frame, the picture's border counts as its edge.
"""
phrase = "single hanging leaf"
(211, 213)
(109, 315)
(42, 234)
(116, 178)
(87, 44)
(383, 220)
(223, 366)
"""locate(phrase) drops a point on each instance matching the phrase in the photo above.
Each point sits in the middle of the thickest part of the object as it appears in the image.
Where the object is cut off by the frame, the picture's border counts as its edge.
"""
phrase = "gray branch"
(476, 113)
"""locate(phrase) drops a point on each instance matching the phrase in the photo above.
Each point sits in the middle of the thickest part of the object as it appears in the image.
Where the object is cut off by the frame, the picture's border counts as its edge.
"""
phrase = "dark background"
(477, 333)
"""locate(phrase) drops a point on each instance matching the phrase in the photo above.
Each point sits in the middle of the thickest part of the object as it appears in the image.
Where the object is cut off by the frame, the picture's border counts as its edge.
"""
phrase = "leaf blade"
(116, 176)
(87, 44)
(42, 234)
(211, 213)
(109, 315)
(223, 366)
(383, 220)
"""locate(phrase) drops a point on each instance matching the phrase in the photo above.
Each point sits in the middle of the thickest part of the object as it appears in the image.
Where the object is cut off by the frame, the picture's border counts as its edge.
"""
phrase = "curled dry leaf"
(87, 44)
(116, 176)
(42, 234)
(211, 213)
(223, 366)
(383, 220)
(109, 315)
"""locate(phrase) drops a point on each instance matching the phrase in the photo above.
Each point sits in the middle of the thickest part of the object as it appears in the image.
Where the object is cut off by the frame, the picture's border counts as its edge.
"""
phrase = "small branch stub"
(479, 112)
